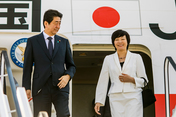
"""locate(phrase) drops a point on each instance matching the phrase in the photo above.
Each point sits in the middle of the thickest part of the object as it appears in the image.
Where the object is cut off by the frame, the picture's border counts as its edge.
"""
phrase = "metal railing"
(5, 63)
(166, 82)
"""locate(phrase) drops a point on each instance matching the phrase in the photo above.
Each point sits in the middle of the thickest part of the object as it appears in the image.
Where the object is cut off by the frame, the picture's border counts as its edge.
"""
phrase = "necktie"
(50, 46)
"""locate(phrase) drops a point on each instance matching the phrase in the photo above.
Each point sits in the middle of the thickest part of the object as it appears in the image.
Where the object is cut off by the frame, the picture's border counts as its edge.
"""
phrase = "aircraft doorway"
(88, 60)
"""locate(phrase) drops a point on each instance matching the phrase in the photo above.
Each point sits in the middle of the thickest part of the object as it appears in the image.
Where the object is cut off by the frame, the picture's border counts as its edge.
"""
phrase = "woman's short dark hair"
(120, 33)
(50, 14)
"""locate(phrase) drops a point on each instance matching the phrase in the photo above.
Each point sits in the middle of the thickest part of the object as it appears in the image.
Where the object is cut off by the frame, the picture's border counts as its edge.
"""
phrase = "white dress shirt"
(46, 40)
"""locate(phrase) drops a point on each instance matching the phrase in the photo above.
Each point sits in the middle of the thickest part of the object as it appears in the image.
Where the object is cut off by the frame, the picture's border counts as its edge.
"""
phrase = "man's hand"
(97, 108)
(63, 81)
(28, 93)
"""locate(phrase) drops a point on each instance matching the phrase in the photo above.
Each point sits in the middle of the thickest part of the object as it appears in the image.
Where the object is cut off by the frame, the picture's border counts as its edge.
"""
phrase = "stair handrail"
(167, 60)
(4, 57)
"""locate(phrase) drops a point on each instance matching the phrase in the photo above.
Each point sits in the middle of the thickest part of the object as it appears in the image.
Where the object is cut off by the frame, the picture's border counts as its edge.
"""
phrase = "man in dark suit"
(53, 67)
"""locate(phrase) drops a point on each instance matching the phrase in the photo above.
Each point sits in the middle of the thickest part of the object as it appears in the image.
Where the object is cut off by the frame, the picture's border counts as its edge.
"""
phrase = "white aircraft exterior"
(90, 23)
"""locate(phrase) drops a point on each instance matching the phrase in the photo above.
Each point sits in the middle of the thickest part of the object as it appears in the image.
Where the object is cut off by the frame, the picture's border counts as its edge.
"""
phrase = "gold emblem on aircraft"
(22, 49)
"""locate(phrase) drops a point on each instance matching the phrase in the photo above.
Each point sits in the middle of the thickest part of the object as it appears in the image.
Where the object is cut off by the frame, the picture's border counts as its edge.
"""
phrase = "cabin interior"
(88, 60)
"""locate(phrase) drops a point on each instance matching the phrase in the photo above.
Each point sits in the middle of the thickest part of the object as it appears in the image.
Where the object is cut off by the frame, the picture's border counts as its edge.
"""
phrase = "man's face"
(52, 28)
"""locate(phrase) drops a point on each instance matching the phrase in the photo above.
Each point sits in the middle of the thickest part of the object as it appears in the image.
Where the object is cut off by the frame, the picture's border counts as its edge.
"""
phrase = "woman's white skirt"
(126, 104)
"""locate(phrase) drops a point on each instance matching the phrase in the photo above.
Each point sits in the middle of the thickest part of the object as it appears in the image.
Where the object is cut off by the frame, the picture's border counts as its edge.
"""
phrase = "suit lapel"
(56, 45)
(116, 59)
(42, 43)
(128, 56)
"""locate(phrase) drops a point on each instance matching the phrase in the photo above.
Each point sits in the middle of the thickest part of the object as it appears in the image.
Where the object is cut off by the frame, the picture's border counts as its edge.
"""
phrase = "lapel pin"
(58, 41)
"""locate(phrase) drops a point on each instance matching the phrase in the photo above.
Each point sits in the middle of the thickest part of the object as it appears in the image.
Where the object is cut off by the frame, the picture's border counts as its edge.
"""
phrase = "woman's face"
(121, 43)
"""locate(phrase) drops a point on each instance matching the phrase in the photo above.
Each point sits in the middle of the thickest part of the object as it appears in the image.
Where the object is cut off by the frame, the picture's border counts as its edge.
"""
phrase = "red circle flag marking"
(106, 17)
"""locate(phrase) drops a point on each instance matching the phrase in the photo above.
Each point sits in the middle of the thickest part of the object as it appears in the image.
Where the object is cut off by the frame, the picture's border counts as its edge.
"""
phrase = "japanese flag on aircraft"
(102, 17)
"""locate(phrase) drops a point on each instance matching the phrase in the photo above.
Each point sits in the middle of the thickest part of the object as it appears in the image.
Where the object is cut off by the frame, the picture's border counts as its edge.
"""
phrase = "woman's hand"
(97, 108)
(126, 78)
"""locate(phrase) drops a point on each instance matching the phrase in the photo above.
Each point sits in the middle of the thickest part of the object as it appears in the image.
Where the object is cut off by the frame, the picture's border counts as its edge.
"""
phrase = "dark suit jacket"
(37, 54)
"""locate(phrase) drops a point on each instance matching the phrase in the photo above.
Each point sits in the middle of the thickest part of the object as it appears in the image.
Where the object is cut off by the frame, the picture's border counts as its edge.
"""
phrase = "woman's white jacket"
(133, 66)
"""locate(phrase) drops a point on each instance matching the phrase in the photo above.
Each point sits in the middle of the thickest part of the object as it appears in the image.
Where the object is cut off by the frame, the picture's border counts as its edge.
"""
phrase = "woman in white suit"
(125, 70)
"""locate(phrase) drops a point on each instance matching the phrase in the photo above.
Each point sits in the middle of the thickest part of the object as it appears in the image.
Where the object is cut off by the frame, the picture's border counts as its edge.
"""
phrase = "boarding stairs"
(19, 95)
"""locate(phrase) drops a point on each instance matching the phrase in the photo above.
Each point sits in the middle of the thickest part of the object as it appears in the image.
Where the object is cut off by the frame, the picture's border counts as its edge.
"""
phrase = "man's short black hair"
(50, 14)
